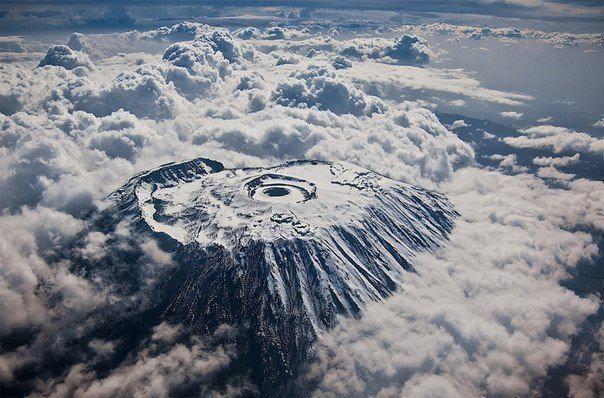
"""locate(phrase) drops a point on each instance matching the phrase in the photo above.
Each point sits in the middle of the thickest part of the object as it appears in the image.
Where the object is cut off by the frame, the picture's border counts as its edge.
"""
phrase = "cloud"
(274, 33)
(599, 123)
(197, 67)
(340, 62)
(61, 16)
(509, 161)
(405, 49)
(458, 123)
(282, 33)
(65, 57)
(506, 34)
(317, 87)
(461, 326)
(156, 371)
(559, 139)
(285, 58)
(554, 173)
(457, 103)
(12, 44)
(143, 92)
(557, 161)
(590, 384)
(247, 33)
(26, 238)
(390, 81)
(166, 332)
(70, 136)
(512, 115)
(409, 49)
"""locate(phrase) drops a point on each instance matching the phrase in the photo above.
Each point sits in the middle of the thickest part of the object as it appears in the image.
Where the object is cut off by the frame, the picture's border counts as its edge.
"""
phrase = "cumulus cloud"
(512, 115)
(458, 123)
(69, 136)
(156, 370)
(340, 62)
(465, 32)
(406, 49)
(509, 162)
(457, 340)
(409, 49)
(591, 384)
(599, 123)
(249, 32)
(286, 58)
(144, 92)
(559, 139)
(319, 88)
(457, 103)
(65, 57)
(12, 44)
(27, 237)
(274, 33)
(557, 161)
(554, 173)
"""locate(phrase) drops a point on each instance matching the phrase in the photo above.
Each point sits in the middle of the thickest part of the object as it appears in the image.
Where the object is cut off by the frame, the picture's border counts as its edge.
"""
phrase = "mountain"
(278, 252)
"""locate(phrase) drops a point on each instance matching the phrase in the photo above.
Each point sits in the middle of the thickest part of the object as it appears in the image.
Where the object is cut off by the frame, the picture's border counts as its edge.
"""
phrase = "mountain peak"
(279, 251)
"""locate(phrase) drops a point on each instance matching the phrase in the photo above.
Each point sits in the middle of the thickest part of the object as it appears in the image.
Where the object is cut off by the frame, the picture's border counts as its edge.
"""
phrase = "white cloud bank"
(69, 136)
(557, 161)
(558, 139)
(487, 316)
(512, 115)
(506, 34)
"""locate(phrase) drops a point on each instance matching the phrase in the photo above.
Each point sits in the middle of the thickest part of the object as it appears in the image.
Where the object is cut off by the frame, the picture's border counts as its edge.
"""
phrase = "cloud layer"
(476, 333)
(79, 119)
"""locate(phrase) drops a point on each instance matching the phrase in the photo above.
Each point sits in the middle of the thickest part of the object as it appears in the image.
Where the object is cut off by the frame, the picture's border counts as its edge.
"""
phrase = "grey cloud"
(406, 49)
(316, 87)
(340, 62)
(65, 57)
(590, 384)
(12, 44)
(409, 49)
(155, 371)
(275, 33)
(247, 33)
(142, 92)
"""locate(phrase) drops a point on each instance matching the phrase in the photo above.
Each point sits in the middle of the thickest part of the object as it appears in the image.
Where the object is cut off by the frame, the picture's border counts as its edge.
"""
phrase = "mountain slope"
(278, 252)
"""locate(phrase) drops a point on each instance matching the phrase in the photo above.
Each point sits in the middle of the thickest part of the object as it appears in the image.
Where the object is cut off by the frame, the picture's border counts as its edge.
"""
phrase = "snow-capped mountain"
(280, 252)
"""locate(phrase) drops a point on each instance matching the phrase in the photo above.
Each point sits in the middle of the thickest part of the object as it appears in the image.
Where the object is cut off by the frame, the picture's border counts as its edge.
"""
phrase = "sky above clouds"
(489, 314)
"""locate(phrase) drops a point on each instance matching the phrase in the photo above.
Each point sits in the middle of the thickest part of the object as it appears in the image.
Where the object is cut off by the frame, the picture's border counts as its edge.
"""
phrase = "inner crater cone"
(278, 188)
(276, 191)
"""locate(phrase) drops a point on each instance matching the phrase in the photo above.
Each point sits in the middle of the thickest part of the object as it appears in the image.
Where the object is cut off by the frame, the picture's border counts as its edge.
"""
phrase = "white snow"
(345, 235)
